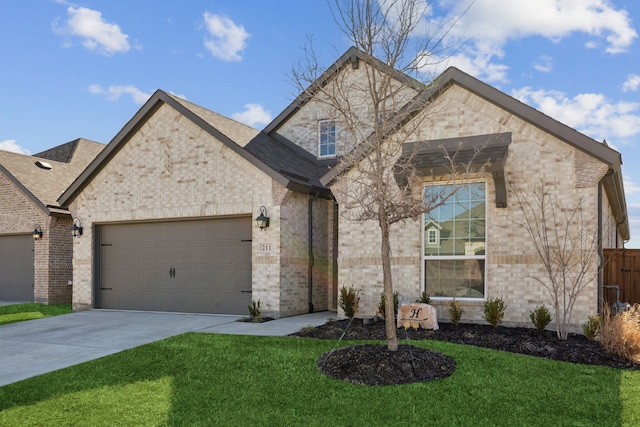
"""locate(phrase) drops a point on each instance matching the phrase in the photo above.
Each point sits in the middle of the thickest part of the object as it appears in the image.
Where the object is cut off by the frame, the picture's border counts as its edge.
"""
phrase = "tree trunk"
(389, 313)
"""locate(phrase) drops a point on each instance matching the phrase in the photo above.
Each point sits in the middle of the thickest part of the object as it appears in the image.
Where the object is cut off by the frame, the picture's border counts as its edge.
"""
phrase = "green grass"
(28, 311)
(203, 379)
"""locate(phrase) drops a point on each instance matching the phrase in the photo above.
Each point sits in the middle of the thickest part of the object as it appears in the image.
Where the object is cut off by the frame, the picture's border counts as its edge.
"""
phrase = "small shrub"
(591, 327)
(620, 334)
(455, 311)
(540, 317)
(494, 311)
(254, 309)
(349, 301)
(382, 305)
(424, 298)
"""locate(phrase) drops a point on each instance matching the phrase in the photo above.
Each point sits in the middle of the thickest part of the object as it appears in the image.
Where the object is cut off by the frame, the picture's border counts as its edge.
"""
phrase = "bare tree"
(378, 115)
(564, 236)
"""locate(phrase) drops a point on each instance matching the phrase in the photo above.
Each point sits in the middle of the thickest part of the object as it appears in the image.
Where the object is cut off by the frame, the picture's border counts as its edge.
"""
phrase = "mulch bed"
(373, 364)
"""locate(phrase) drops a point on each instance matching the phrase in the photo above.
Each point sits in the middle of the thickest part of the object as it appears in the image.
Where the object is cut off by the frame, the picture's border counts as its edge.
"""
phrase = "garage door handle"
(172, 272)
(245, 292)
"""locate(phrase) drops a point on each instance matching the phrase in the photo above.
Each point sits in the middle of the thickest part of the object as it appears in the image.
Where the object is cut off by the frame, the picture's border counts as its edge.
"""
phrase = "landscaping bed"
(576, 349)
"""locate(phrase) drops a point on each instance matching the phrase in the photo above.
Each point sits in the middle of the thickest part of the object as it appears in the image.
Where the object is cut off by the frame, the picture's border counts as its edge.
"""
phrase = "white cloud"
(544, 64)
(226, 40)
(95, 33)
(254, 114)
(632, 83)
(12, 146)
(480, 65)
(633, 210)
(489, 25)
(630, 187)
(179, 95)
(590, 113)
(114, 92)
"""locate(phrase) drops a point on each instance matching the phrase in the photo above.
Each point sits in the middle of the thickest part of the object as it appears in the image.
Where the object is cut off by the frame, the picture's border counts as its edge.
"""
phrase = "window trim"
(484, 257)
(335, 138)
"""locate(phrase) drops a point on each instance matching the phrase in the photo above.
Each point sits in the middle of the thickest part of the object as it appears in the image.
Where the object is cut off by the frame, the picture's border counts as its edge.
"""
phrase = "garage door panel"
(191, 266)
(16, 267)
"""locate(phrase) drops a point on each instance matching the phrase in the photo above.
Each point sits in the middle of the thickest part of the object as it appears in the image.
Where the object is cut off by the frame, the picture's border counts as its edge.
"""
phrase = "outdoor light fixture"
(76, 228)
(263, 220)
(37, 232)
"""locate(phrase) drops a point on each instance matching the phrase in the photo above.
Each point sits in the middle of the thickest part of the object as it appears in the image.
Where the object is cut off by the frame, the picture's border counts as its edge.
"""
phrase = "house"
(169, 207)
(35, 241)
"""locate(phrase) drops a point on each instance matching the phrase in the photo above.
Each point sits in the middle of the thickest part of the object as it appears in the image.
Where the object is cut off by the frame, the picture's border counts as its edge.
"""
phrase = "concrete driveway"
(43, 345)
(39, 346)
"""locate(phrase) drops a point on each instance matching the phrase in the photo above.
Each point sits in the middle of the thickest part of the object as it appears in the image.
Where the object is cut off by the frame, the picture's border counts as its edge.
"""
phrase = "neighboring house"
(34, 266)
(169, 207)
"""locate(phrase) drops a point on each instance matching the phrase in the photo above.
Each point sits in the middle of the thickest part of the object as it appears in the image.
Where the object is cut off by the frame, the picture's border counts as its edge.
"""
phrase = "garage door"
(16, 268)
(187, 266)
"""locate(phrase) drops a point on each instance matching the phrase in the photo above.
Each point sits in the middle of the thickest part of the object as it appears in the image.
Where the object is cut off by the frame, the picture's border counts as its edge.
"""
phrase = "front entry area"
(197, 266)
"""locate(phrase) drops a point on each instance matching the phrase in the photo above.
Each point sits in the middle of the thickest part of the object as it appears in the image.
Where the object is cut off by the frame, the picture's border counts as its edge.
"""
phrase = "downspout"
(600, 250)
(311, 258)
(334, 285)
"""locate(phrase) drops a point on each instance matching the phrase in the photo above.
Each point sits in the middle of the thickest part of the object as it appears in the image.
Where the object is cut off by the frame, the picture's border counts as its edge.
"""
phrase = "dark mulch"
(260, 319)
(373, 365)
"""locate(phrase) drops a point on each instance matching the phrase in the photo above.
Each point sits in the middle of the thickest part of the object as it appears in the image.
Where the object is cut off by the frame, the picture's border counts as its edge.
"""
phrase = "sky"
(71, 70)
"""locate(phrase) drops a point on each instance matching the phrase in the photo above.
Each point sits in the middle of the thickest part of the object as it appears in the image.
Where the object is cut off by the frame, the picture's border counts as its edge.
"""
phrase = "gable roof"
(42, 185)
(612, 181)
(352, 57)
(259, 149)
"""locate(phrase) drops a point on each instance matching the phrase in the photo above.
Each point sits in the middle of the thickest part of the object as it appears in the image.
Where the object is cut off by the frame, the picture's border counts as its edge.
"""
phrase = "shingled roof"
(278, 159)
(31, 174)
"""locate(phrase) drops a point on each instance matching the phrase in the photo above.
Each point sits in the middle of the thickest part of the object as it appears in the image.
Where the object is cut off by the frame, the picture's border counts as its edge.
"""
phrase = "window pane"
(327, 146)
(462, 215)
(455, 278)
(476, 228)
(461, 231)
(477, 192)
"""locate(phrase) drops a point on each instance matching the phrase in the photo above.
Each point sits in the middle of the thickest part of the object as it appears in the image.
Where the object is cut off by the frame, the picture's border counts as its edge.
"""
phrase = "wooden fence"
(622, 269)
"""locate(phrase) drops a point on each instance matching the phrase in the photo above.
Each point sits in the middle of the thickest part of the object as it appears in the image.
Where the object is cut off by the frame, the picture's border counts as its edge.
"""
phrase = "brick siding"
(171, 168)
(511, 260)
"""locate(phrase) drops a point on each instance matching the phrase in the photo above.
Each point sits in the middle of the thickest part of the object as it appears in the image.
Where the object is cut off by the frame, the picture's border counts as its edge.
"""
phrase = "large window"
(327, 140)
(454, 241)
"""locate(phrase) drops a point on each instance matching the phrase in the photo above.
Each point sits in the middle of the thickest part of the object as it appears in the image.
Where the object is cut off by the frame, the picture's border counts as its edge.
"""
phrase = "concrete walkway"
(39, 346)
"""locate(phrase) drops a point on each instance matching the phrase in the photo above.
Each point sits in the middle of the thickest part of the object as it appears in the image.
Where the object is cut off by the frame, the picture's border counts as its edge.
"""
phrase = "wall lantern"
(263, 220)
(76, 228)
(37, 232)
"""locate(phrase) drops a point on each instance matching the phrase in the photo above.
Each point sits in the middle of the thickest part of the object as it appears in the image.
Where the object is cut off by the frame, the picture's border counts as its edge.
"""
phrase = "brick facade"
(302, 128)
(511, 261)
(171, 169)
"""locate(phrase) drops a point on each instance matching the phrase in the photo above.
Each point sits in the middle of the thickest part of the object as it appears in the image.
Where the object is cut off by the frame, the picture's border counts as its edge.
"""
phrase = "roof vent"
(43, 165)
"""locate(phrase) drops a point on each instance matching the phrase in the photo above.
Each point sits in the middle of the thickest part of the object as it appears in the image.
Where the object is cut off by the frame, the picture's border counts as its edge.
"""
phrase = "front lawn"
(31, 310)
(205, 379)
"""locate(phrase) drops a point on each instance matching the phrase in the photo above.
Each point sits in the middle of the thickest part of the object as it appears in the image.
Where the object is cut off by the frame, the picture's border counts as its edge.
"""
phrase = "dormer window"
(327, 138)
(432, 236)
